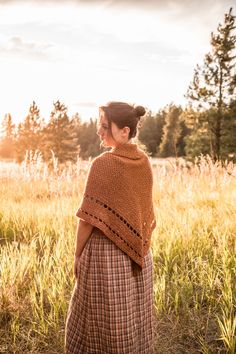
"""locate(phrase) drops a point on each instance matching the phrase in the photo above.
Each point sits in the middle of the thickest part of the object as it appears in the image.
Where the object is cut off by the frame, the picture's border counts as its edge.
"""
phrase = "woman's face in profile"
(103, 132)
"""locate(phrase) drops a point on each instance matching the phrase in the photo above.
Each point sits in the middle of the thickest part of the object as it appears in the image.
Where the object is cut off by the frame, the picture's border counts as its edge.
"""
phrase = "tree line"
(62, 136)
(206, 126)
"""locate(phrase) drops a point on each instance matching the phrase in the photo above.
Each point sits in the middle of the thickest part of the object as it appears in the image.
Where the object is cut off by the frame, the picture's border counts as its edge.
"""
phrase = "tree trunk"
(219, 120)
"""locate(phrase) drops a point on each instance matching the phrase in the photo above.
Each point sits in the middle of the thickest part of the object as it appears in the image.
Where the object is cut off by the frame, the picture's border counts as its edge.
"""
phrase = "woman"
(111, 309)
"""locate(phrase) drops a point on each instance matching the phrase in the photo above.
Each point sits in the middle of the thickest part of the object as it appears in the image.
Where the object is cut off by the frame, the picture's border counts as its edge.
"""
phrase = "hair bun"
(139, 111)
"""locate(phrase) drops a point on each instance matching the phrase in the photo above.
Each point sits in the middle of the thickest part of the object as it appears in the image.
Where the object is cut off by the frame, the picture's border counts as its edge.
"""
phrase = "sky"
(87, 52)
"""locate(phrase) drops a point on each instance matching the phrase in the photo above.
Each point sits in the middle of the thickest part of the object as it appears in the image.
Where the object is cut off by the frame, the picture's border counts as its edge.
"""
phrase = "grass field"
(194, 250)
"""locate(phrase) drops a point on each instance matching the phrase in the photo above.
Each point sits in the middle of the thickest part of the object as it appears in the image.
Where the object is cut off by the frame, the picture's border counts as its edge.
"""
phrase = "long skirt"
(111, 308)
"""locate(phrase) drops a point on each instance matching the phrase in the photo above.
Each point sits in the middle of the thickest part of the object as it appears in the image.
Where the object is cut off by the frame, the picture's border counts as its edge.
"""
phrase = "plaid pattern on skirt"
(111, 309)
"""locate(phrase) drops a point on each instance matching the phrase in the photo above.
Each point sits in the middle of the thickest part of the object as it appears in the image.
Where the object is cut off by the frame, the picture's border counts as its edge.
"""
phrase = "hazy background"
(86, 53)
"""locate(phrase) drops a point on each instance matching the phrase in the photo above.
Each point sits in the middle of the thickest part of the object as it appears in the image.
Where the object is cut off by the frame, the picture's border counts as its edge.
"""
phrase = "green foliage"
(200, 139)
(151, 131)
(171, 131)
(89, 140)
(197, 144)
(229, 134)
(184, 133)
(214, 86)
(29, 133)
(62, 139)
(59, 136)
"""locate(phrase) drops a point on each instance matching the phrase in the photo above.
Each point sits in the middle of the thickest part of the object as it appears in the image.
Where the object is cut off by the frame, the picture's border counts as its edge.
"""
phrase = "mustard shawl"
(118, 199)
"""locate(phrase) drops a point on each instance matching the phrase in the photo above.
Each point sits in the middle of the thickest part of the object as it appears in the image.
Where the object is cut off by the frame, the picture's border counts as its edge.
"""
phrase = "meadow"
(193, 245)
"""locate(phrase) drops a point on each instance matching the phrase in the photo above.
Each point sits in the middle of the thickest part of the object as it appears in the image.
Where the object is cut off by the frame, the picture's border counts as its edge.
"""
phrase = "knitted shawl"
(118, 199)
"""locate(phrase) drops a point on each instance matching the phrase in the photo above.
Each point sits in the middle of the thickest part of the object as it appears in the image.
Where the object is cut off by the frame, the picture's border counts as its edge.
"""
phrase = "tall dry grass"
(194, 248)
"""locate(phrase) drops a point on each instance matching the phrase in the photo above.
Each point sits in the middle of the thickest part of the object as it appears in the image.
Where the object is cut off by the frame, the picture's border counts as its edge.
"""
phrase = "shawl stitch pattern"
(118, 199)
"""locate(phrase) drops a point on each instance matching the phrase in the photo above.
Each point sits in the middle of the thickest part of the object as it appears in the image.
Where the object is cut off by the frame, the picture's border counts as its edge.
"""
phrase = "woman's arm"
(84, 230)
(83, 233)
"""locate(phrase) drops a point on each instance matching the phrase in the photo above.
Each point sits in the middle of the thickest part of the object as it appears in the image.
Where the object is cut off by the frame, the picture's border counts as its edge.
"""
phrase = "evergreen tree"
(199, 140)
(229, 137)
(60, 138)
(76, 121)
(29, 133)
(89, 141)
(7, 143)
(151, 131)
(171, 132)
(184, 133)
(76, 126)
(214, 83)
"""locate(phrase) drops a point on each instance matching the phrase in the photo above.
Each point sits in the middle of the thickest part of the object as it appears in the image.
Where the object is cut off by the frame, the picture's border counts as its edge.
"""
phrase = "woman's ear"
(126, 131)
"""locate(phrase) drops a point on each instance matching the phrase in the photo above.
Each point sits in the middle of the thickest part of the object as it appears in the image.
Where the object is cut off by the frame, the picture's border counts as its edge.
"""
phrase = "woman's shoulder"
(103, 156)
(108, 158)
(102, 159)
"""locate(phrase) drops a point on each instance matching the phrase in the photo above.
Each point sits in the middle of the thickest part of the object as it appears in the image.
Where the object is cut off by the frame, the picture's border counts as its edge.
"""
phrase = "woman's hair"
(123, 115)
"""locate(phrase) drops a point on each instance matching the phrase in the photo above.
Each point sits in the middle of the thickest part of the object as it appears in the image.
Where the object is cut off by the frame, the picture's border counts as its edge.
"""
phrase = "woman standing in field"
(111, 309)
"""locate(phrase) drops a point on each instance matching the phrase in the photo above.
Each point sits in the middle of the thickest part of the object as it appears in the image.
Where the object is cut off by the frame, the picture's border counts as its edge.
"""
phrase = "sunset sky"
(86, 53)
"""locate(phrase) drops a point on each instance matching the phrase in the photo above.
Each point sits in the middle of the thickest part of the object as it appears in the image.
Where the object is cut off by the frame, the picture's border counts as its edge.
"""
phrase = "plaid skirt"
(111, 308)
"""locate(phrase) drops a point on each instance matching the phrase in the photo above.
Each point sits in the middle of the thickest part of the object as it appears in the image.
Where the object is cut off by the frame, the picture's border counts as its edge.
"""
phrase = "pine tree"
(7, 143)
(199, 139)
(171, 132)
(89, 141)
(229, 138)
(60, 138)
(184, 133)
(29, 134)
(214, 84)
(151, 131)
